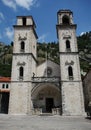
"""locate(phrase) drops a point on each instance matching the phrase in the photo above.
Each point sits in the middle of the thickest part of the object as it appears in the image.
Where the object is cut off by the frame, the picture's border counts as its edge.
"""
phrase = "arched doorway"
(46, 96)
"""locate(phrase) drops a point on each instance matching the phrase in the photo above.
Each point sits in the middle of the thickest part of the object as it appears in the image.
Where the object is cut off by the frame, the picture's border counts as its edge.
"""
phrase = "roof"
(5, 79)
(65, 11)
(88, 72)
(29, 16)
(47, 61)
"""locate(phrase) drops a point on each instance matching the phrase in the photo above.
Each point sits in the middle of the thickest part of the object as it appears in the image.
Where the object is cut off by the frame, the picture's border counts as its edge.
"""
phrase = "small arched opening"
(68, 45)
(22, 46)
(65, 19)
(21, 72)
(70, 72)
(24, 21)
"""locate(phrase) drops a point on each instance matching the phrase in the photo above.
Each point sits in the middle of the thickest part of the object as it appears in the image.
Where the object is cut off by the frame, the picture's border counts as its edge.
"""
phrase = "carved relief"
(67, 35)
(69, 63)
(21, 64)
(20, 38)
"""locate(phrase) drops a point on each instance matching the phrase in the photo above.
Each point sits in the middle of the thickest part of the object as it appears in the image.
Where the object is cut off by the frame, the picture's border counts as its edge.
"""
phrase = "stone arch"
(40, 86)
(22, 46)
(65, 19)
(70, 72)
(43, 92)
(21, 72)
(68, 45)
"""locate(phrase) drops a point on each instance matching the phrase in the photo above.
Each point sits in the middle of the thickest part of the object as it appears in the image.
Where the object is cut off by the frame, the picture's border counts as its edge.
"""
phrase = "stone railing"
(45, 79)
(38, 111)
(56, 111)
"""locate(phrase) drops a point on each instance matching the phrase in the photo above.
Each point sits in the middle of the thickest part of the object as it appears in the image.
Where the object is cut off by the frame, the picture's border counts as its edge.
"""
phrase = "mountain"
(84, 46)
(5, 59)
(48, 50)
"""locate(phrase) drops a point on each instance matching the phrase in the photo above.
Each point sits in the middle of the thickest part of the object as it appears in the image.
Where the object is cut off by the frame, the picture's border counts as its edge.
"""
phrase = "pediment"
(49, 69)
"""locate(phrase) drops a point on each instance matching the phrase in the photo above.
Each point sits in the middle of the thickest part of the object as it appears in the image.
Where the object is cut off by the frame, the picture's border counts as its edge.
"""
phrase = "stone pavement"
(8, 122)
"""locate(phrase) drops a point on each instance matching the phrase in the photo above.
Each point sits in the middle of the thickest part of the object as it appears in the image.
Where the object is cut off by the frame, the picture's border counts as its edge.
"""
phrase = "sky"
(44, 13)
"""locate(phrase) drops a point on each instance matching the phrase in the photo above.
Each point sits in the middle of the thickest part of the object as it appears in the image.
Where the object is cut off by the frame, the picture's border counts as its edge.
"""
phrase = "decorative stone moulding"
(67, 37)
(69, 63)
(45, 79)
(22, 38)
(21, 64)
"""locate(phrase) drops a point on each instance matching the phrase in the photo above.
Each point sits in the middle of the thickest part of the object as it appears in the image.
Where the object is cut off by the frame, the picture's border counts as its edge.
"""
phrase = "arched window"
(7, 86)
(3, 85)
(65, 19)
(22, 46)
(68, 45)
(21, 71)
(70, 72)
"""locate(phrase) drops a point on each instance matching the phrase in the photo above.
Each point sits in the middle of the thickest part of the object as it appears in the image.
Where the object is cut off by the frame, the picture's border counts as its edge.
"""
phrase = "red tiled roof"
(5, 79)
(4, 90)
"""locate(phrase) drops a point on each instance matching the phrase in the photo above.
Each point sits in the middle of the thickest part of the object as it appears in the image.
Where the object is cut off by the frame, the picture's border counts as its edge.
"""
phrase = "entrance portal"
(49, 104)
(4, 102)
(46, 98)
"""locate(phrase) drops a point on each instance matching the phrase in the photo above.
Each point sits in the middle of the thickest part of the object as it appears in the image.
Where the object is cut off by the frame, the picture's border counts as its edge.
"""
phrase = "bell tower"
(71, 84)
(23, 65)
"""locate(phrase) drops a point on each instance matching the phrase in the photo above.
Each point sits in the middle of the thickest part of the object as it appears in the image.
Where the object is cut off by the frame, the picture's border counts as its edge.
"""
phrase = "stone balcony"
(45, 79)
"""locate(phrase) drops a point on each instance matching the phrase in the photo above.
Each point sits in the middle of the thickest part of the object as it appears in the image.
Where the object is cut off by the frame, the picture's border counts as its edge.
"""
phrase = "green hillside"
(48, 50)
(84, 46)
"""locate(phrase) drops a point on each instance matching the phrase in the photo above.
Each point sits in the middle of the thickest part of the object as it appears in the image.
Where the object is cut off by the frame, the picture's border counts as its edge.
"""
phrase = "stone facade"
(5, 83)
(42, 69)
(23, 65)
(49, 87)
(87, 90)
(71, 84)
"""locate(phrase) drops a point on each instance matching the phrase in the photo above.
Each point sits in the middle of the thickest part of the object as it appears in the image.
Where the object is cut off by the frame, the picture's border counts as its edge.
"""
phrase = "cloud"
(10, 3)
(9, 33)
(42, 38)
(0, 36)
(27, 4)
(1, 17)
(82, 33)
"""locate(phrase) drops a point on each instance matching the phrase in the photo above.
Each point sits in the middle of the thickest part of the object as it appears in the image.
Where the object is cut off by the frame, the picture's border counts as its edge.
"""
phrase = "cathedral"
(48, 87)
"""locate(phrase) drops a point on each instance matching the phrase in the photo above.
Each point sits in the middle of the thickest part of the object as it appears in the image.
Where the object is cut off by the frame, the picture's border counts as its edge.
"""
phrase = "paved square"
(8, 122)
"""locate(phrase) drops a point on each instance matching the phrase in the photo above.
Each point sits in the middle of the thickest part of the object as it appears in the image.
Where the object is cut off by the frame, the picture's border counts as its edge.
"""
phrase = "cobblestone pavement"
(8, 122)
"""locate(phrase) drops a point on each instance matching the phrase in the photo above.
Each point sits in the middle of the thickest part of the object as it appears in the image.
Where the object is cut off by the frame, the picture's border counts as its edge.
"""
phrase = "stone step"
(46, 114)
